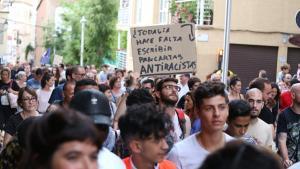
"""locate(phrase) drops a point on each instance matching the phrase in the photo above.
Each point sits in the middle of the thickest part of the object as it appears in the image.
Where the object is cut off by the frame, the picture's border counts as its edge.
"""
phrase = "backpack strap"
(181, 119)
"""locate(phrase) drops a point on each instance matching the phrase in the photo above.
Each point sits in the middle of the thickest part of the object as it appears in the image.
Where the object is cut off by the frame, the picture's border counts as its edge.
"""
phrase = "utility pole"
(82, 21)
(226, 42)
(17, 45)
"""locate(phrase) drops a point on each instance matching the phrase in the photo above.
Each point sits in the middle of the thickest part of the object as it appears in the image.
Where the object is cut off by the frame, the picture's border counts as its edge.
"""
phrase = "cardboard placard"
(164, 49)
(57, 60)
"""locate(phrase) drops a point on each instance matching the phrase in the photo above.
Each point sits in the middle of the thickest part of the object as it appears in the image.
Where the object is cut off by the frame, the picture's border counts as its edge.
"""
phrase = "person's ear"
(262, 105)
(157, 94)
(135, 146)
(293, 94)
(197, 111)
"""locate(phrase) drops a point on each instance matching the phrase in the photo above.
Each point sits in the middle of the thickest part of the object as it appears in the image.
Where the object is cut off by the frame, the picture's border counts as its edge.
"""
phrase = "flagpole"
(82, 21)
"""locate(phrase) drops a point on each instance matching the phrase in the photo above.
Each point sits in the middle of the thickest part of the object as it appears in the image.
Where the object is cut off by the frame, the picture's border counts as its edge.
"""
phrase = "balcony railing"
(199, 12)
(121, 59)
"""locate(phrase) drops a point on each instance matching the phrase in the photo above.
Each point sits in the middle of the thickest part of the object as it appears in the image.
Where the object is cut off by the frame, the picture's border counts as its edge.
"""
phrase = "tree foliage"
(100, 40)
(29, 48)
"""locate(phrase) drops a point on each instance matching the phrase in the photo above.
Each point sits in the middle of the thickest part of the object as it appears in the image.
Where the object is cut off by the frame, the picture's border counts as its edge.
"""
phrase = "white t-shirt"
(262, 132)
(43, 98)
(177, 129)
(183, 91)
(189, 154)
(108, 160)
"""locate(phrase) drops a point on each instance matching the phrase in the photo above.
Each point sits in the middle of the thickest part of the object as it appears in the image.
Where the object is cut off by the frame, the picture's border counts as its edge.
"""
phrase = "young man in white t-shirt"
(212, 107)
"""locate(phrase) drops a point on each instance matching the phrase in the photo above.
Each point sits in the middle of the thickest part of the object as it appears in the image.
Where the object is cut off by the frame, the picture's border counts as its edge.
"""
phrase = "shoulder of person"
(228, 137)
(105, 156)
(263, 125)
(166, 164)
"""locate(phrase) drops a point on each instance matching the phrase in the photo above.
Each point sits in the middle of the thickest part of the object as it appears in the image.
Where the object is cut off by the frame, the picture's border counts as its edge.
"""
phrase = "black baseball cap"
(94, 104)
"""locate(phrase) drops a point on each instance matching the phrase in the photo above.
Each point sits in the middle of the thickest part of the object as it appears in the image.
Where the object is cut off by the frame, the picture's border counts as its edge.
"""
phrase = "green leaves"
(100, 31)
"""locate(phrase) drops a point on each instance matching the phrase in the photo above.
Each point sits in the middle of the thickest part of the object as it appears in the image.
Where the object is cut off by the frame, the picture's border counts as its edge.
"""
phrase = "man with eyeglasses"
(260, 130)
(73, 74)
(167, 95)
(265, 87)
(78, 73)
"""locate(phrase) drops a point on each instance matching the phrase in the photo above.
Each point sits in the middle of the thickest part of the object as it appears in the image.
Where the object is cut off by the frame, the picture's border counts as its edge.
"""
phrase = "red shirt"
(285, 100)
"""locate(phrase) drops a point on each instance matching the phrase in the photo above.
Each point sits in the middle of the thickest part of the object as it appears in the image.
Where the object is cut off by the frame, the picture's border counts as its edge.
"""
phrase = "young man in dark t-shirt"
(289, 130)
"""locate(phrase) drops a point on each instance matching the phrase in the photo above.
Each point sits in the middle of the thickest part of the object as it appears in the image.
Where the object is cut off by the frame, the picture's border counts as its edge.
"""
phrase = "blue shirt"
(56, 94)
(196, 126)
(34, 84)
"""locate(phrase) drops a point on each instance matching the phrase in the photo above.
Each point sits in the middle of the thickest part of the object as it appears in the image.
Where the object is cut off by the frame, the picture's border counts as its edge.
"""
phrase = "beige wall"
(259, 15)
(253, 22)
(207, 52)
(45, 15)
(150, 16)
(20, 20)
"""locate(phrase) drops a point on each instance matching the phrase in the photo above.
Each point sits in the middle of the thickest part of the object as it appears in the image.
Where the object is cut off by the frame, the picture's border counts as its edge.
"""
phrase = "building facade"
(259, 38)
(17, 29)
(45, 16)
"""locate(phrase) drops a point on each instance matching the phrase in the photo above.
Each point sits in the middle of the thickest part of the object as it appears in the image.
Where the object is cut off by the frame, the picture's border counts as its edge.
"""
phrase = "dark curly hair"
(192, 81)
(238, 108)
(233, 81)
(139, 96)
(209, 89)
(142, 121)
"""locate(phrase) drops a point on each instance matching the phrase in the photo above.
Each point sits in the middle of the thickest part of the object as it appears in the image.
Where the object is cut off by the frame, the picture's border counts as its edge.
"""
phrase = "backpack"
(181, 119)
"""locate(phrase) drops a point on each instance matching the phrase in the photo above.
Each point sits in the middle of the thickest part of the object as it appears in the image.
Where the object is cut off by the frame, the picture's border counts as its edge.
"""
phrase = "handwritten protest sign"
(165, 49)
(57, 60)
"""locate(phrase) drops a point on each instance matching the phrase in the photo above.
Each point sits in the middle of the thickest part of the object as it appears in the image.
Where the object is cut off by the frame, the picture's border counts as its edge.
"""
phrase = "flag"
(46, 57)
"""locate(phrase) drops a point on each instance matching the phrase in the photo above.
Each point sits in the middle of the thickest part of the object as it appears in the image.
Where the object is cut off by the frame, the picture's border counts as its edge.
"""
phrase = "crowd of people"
(59, 117)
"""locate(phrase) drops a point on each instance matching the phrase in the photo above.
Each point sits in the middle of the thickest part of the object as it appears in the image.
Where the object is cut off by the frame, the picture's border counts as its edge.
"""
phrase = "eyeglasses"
(82, 75)
(29, 99)
(170, 87)
(89, 76)
(252, 101)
